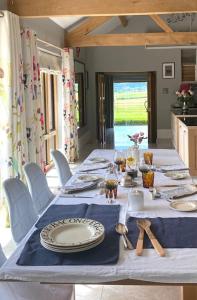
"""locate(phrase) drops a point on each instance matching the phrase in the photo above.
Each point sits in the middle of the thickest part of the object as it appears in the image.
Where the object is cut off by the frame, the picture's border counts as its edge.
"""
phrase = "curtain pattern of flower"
(70, 106)
(32, 93)
(13, 142)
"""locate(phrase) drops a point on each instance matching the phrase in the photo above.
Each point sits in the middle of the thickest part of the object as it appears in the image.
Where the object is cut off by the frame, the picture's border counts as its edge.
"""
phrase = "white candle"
(135, 200)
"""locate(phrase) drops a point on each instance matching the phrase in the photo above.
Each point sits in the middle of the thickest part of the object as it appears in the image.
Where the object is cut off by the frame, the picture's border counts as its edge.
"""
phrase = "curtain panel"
(32, 94)
(13, 142)
(69, 106)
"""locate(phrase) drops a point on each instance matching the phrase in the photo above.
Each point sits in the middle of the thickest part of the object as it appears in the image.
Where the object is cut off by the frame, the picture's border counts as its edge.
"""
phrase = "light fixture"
(171, 47)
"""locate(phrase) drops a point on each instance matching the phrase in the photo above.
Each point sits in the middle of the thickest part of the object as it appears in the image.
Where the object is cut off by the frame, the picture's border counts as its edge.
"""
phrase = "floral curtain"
(13, 142)
(32, 93)
(70, 106)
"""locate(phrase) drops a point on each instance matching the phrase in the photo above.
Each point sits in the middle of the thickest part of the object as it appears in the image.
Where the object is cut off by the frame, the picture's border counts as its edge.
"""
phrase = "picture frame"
(168, 70)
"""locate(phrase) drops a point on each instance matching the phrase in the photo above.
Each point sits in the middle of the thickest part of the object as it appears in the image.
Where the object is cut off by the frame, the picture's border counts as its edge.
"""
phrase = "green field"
(129, 108)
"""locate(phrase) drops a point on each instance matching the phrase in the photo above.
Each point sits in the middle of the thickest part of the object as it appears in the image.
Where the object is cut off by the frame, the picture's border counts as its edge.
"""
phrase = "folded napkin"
(165, 169)
(170, 232)
(180, 192)
(34, 254)
(94, 167)
(78, 187)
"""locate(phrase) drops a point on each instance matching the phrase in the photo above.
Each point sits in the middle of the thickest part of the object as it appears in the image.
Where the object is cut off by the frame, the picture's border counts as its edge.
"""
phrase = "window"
(80, 87)
(49, 83)
(79, 92)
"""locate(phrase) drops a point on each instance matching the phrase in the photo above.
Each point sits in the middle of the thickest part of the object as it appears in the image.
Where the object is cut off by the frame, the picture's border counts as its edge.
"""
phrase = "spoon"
(139, 246)
(145, 224)
(122, 229)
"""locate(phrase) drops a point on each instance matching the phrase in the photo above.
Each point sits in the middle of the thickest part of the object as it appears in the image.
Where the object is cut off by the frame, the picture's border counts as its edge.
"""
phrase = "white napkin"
(94, 167)
(172, 168)
(78, 186)
(180, 192)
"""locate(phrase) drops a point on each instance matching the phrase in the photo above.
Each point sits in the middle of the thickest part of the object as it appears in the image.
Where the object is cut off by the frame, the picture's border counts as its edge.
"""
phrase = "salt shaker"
(135, 200)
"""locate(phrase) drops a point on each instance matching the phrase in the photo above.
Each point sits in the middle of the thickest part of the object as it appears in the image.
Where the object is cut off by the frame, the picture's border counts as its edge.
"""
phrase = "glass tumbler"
(148, 179)
(148, 158)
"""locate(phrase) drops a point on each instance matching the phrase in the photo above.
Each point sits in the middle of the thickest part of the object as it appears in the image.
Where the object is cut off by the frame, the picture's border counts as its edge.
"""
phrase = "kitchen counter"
(188, 121)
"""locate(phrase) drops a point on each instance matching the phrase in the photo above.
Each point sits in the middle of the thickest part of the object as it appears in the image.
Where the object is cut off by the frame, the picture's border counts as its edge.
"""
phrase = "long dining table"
(178, 267)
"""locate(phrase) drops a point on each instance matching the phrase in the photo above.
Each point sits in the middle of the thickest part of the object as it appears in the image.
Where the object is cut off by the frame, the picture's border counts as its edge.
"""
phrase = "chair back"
(21, 210)
(62, 166)
(38, 187)
(2, 256)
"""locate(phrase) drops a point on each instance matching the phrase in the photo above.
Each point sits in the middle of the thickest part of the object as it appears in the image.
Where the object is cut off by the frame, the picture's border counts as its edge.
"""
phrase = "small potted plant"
(185, 97)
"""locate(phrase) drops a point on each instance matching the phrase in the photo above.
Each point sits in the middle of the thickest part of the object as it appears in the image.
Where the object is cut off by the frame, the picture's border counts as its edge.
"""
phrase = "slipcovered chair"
(38, 187)
(21, 210)
(33, 290)
(62, 167)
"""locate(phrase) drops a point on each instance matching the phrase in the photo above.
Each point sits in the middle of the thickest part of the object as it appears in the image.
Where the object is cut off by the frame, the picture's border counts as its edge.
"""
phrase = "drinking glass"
(148, 158)
(111, 186)
(120, 160)
(148, 179)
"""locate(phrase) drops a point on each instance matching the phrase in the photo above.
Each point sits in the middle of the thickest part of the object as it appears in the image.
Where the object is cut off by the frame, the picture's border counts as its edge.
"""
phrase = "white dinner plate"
(74, 249)
(176, 175)
(182, 205)
(87, 178)
(72, 232)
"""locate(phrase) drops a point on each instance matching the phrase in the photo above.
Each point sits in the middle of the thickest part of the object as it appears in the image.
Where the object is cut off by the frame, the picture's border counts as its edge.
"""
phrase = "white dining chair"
(21, 210)
(62, 166)
(38, 187)
(33, 290)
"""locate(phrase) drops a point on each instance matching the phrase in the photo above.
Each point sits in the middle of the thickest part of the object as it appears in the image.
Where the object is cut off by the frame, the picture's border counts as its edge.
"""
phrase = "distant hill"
(120, 87)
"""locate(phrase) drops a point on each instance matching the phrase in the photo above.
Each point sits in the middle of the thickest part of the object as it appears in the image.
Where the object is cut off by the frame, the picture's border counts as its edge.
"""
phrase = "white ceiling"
(67, 22)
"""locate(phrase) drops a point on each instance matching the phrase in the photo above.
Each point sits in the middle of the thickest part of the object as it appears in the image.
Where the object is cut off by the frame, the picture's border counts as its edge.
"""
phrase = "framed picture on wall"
(168, 70)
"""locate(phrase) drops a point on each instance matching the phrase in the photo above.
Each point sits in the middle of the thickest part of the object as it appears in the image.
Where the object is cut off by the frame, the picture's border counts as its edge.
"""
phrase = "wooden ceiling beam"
(52, 8)
(161, 23)
(135, 39)
(123, 21)
(87, 26)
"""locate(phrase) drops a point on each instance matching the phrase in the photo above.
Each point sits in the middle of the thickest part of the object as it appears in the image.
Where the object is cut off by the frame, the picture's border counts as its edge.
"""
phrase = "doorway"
(126, 104)
(130, 112)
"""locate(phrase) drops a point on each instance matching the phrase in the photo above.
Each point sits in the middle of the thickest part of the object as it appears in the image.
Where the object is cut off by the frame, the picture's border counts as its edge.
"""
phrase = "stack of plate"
(72, 235)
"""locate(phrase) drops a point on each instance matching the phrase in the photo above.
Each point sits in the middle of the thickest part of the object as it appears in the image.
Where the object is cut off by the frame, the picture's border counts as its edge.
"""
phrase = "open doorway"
(130, 112)
(126, 104)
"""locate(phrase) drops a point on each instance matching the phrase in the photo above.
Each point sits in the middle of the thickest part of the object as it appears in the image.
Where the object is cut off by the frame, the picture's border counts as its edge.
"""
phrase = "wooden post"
(189, 292)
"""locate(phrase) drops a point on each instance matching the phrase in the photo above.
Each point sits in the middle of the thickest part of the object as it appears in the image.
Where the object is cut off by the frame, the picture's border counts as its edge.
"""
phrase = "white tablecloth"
(178, 266)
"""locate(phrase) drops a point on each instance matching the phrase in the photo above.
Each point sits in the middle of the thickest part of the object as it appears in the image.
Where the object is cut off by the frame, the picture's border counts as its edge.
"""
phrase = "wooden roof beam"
(161, 23)
(52, 8)
(135, 39)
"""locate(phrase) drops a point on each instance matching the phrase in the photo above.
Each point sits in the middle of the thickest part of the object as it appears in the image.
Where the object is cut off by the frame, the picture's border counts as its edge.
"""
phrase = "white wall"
(135, 59)
(46, 30)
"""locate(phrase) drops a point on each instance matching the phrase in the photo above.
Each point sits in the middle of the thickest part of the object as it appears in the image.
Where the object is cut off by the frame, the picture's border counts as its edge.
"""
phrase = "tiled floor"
(95, 292)
(101, 292)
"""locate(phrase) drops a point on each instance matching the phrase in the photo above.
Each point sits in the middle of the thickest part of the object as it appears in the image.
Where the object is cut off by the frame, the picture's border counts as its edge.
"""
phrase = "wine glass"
(111, 185)
(119, 159)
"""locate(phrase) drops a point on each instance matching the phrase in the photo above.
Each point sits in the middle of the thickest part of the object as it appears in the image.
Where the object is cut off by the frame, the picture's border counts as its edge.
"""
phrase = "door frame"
(151, 98)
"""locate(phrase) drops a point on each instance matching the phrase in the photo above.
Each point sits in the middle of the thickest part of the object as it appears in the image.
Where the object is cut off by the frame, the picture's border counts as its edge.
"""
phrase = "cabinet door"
(183, 144)
(174, 129)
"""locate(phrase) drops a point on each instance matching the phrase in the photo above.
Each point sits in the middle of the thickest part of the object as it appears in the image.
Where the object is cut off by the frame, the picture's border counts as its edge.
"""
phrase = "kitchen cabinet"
(184, 138)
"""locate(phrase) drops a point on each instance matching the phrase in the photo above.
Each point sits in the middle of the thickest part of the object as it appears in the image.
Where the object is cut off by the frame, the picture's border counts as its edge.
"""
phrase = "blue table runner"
(170, 232)
(34, 254)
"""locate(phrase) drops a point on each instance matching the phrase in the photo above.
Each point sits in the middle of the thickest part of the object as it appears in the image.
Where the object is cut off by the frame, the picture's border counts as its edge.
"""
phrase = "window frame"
(49, 134)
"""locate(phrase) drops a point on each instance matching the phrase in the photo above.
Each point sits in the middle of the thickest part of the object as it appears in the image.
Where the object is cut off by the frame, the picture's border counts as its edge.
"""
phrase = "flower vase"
(135, 153)
(185, 108)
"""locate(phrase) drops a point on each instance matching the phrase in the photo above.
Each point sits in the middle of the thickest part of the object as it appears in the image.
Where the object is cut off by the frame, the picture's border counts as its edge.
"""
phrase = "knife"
(74, 196)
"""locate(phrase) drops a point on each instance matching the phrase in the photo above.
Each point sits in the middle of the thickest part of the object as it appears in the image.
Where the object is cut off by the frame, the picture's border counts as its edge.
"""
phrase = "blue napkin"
(170, 232)
(34, 254)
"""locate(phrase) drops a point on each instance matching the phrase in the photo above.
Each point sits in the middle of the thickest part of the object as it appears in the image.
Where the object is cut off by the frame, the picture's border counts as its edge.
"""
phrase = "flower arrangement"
(185, 96)
(137, 138)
